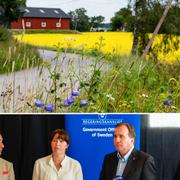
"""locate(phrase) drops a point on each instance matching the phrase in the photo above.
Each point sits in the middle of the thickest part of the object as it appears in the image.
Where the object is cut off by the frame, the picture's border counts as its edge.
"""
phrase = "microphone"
(118, 178)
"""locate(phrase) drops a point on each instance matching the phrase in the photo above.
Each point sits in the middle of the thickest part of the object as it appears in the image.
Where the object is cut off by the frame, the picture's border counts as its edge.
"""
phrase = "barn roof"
(44, 12)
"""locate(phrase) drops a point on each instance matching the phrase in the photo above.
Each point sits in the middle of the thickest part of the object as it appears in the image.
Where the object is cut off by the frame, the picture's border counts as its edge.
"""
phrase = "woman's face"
(58, 145)
(1, 144)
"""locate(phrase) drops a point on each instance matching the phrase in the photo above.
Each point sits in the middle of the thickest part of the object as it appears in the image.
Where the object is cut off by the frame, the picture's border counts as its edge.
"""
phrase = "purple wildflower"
(84, 103)
(70, 100)
(39, 103)
(49, 108)
(66, 104)
(75, 93)
(167, 102)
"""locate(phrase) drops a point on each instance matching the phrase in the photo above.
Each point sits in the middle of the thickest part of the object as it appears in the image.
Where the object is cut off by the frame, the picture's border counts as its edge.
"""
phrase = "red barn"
(42, 18)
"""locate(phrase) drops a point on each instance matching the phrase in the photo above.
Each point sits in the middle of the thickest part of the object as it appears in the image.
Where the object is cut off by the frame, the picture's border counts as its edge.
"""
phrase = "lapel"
(129, 166)
(114, 164)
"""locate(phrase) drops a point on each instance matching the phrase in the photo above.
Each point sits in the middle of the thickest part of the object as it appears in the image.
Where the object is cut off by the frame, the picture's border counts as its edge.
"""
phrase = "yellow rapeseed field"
(114, 42)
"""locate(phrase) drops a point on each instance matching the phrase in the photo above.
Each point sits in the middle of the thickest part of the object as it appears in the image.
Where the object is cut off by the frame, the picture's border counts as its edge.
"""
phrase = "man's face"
(1, 144)
(122, 141)
(58, 145)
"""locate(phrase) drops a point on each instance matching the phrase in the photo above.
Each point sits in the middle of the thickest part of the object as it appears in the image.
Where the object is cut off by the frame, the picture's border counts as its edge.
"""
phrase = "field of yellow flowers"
(118, 43)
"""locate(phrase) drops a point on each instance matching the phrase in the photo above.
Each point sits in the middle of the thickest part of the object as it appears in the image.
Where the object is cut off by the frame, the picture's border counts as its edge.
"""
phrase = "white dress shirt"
(45, 169)
(122, 162)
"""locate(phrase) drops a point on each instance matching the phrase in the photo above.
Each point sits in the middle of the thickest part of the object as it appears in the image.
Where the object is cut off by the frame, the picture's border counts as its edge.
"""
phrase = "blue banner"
(91, 137)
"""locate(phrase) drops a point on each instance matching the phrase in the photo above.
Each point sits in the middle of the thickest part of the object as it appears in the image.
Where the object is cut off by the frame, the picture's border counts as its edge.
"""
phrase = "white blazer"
(6, 170)
(44, 169)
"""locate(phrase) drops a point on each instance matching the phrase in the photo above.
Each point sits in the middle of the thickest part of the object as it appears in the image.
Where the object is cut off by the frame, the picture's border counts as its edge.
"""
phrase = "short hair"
(130, 128)
(62, 135)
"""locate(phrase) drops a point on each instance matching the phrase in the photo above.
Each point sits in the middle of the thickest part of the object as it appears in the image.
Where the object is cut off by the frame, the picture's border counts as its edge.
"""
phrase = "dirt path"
(28, 81)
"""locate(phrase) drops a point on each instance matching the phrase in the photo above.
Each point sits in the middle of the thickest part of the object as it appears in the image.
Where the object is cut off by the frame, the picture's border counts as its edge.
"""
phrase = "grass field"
(116, 43)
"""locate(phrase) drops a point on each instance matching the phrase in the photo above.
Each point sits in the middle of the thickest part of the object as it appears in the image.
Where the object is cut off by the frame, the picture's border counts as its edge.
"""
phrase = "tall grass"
(16, 56)
(128, 85)
(134, 85)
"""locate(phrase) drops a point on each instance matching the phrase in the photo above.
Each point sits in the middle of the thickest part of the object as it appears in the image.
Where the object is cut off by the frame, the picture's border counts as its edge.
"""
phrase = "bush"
(4, 34)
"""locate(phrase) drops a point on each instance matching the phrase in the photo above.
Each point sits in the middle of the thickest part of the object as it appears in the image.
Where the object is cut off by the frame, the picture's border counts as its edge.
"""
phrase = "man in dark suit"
(177, 175)
(127, 163)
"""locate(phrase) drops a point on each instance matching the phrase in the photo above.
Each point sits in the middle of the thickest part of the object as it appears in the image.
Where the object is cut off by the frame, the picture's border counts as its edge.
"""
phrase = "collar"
(125, 158)
(51, 162)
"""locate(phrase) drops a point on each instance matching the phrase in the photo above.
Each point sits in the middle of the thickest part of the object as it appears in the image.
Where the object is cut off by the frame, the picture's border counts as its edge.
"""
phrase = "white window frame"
(58, 24)
(28, 24)
(43, 24)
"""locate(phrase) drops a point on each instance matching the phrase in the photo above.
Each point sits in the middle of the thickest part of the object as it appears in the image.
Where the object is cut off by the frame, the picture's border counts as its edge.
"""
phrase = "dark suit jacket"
(177, 175)
(140, 166)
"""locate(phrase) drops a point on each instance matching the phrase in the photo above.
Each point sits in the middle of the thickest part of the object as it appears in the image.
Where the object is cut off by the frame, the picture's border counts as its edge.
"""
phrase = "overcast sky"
(106, 8)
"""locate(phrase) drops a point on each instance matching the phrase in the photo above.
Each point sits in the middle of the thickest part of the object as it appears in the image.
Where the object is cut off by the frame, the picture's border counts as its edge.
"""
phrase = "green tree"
(165, 42)
(73, 19)
(117, 23)
(96, 21)
(171, 24)
(1, 15)
(139, 10)
(79, 20)
(11, 10)
(147, 14)
(122, 20)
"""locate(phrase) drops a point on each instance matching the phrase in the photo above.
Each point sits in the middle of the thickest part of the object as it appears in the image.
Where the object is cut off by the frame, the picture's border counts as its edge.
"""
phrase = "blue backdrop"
(91, 137)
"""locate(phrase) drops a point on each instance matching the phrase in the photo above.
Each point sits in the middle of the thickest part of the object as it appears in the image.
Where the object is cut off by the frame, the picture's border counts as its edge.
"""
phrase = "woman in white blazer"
(58, 166)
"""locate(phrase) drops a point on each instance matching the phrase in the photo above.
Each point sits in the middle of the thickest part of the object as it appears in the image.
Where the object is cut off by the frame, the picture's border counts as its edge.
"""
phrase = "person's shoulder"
(44, 159)
(5, 162)
(72, 161)
(142, 154)
(111, 155)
